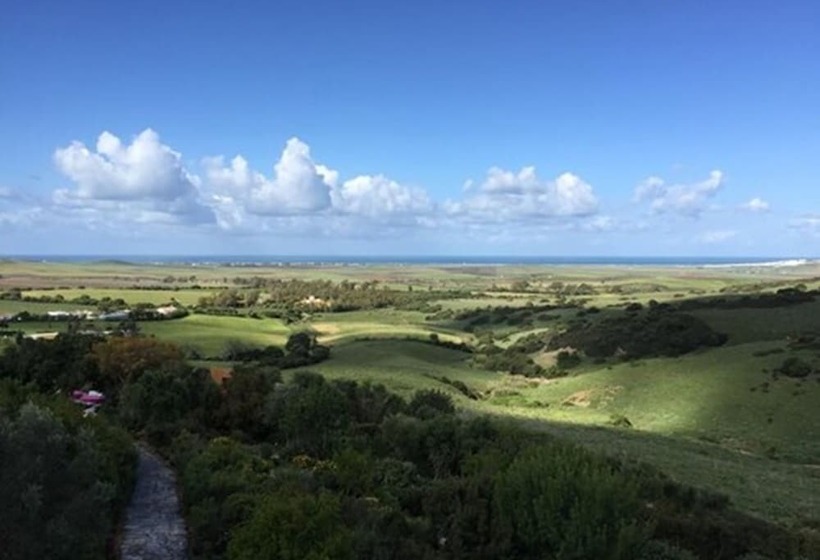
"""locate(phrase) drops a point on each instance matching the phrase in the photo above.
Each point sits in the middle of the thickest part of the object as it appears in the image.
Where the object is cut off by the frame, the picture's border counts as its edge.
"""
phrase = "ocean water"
(360, 260)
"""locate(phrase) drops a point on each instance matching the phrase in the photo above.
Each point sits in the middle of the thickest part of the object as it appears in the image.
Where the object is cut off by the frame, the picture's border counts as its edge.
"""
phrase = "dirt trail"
(154, 527)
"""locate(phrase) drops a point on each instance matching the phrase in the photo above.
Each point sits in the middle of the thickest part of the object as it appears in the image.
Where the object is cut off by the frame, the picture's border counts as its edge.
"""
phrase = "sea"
(418, 260)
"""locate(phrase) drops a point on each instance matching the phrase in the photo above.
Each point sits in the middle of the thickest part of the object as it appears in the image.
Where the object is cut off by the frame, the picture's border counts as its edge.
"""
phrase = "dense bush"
(509, 360)
(428, 403)
(556, 501)
(638, 335)
(297, 526)
(161, 402)
(60, 364)
(63, 481)
(795, 367)
(781, 298)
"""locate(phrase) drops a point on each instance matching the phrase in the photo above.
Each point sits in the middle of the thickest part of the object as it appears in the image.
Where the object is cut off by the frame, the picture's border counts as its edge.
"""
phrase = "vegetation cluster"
(301, 467)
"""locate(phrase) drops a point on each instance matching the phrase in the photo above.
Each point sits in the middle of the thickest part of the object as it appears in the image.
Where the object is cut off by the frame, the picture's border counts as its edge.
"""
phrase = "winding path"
(154, 528)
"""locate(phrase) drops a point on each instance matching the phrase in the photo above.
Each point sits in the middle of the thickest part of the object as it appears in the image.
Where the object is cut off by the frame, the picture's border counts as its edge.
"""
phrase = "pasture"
(209, 334)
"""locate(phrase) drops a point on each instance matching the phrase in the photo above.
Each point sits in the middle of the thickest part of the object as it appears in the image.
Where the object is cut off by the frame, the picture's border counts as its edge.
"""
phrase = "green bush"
(62, 482)
(795, 367)
(559, 502)
(567, 360)
(430, 402)
(638, 335)
(295, 526)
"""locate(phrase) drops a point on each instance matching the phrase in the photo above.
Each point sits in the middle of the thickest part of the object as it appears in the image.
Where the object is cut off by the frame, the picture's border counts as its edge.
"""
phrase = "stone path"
(154, 528)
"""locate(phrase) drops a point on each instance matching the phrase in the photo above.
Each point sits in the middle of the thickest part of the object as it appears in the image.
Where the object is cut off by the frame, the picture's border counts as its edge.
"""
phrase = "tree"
(63, 363)
(125, 359)
(161, 400)
(221, 486)
(243, 399)
(294, 526)
(56, 490)
(300, 344)
(431, 402)
(309, 414)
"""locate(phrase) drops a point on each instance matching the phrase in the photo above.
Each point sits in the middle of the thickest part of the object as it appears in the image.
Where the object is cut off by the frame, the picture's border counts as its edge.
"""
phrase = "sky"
(531, 128)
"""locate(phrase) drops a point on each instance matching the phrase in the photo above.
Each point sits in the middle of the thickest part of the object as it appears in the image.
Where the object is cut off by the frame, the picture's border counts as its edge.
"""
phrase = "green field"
(209, 334)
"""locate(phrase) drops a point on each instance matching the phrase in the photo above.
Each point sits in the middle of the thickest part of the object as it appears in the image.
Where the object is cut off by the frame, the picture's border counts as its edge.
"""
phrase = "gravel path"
(154, 528)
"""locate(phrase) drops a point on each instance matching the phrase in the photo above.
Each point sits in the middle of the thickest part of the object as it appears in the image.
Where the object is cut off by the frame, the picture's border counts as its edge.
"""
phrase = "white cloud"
(687, 199)
(243, 198)
(144, 182)
(7, 193)
(142, 187)
(717, 236)
(505, 195)
(650, 188)
(378, 197)
(299, 185)
(756, 205)
(144, 169)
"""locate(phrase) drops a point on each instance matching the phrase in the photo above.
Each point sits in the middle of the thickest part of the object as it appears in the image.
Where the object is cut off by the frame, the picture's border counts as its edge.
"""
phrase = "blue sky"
(532, 128)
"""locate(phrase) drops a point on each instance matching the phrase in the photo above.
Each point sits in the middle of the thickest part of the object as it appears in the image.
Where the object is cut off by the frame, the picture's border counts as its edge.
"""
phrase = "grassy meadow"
(715, 418)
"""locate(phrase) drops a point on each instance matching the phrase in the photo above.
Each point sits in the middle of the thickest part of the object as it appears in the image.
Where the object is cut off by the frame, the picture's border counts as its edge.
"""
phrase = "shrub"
(795, 367)
(558, 501)
(430, 402)
(61, 481)
(638, 335)
(294, 527)
(567, 360)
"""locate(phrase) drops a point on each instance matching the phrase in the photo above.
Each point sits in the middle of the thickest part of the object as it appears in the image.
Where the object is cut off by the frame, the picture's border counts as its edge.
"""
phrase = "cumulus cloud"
(506, 195)
(756, 205)
(145, 183)
(298, 185)
(378, 197)
(686, 199)
(142, 182)
(146, 168)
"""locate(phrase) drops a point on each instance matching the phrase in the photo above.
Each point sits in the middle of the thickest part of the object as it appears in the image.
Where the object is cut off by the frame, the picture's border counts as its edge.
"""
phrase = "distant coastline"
(421, 260)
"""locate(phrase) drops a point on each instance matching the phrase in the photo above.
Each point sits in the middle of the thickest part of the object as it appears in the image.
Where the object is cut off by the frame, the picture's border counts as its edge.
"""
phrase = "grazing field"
(333, 328)
(405, 366)
(209, 334)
